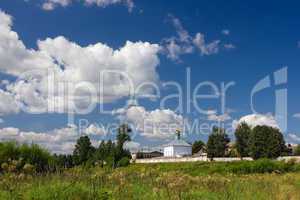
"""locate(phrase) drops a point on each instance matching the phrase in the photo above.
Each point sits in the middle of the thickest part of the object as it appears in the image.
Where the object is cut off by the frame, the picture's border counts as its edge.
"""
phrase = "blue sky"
(243, 42)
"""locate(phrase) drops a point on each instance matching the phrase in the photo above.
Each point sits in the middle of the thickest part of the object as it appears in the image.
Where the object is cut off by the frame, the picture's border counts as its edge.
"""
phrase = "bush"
(297, 150)
(14, 157)
(262, 166)
(124, 162)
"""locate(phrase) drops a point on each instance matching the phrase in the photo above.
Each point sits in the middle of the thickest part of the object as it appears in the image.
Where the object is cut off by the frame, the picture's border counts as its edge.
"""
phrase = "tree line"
(258, 142)
(31, 158)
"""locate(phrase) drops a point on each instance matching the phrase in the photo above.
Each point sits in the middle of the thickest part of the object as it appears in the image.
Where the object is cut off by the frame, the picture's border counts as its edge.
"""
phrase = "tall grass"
(263, 179)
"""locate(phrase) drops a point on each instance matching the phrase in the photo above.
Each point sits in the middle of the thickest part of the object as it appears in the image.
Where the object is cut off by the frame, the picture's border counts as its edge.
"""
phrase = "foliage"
(16, 158)
(28, 158)
(297, 150)
(266, 142)
(217, 143)
(197, 146)
(124, 162)
(242, 134)
(83, 150)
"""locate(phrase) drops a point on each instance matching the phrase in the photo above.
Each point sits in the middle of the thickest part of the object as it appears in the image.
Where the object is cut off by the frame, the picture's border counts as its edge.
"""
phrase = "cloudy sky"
(197, 63)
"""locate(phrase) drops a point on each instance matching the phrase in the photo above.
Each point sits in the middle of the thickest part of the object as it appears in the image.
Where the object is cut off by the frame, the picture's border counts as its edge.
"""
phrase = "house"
(177, 148)
(201, 153)
(150, 154)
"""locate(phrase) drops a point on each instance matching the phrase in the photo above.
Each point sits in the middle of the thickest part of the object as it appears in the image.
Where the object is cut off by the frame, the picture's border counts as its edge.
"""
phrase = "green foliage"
(297, 150)
(197, 146)
(124, 162)
(217, 143)
(83, 150)
(14, 158)
(35, 155)
(266, 142)
(242, 135)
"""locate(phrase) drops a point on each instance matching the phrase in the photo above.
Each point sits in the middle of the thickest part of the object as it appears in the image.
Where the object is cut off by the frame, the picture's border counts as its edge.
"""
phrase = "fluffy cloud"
(75, 71)
(15, 57)
(258, 120)
(157, 124)
(132, 146)
(94, 129)
(7, 103)
(52, 4)
(59, 141)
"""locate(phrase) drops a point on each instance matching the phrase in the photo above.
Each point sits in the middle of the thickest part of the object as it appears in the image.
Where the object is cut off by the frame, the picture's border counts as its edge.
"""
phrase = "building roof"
(178, 142)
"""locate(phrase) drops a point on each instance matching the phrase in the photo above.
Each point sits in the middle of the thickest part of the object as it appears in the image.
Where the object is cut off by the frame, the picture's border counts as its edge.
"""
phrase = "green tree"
(242, 135)
(217, 143)
(266, 142)
(83, 150)
(101, 152)
(35, 155)
(297, 150)
(123, 136)
(197, 146)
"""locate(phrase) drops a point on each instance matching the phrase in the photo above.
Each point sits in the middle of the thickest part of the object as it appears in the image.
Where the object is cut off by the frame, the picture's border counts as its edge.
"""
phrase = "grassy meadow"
(262, 179)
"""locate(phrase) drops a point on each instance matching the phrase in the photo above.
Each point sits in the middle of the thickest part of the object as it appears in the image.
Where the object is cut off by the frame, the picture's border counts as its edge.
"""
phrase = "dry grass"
(168, 181)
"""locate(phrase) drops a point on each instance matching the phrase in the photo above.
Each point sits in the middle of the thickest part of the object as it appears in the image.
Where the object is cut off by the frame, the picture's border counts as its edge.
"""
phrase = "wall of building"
(177, 151)
(205, 159)
(168, 151)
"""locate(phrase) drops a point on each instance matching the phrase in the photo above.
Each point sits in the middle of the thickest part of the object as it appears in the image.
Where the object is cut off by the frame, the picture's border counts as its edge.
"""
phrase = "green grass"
(262, 179)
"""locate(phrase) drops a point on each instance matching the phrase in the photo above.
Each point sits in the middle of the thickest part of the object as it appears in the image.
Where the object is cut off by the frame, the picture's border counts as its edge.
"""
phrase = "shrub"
(28, 169)
(297, 150)
(123, 162)
(262, 166)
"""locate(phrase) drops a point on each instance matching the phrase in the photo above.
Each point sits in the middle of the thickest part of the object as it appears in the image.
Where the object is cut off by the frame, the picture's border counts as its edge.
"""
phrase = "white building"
(177, 148)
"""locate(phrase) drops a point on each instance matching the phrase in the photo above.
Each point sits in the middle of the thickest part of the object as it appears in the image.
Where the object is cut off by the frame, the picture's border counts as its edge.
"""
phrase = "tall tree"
(123, 135)
(83, 150)
(242, 135)
(217, 143)
(266, 142)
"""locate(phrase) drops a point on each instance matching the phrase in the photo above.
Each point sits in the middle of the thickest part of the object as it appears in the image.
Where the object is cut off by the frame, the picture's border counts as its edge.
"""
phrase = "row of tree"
(25, 157)
(257, 142)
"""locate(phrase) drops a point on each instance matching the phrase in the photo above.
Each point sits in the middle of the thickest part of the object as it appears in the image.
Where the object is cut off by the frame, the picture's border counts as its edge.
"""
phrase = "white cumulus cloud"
(73, 66)
(61, 140)
(159, 123)
(254, 120)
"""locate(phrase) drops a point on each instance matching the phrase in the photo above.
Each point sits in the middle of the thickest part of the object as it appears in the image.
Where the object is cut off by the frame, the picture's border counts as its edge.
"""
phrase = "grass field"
(262, 179)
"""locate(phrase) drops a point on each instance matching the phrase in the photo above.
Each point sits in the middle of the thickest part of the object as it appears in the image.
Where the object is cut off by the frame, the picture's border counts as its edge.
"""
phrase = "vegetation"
(262, 180)
(23, 158)
(197, 146)
(266, 142)
(242, 135)
(260, 142)
(297, 150)
(217, 143)
(30, 172)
